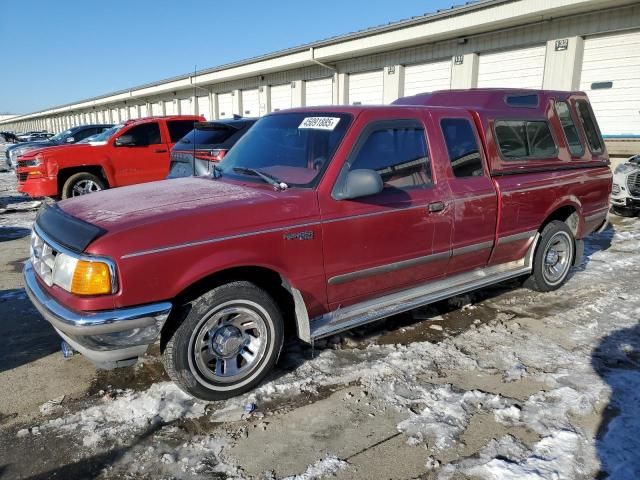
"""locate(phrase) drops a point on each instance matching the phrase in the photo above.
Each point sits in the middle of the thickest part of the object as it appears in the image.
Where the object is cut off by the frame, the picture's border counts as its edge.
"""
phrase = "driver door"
(397, 238)
(144, 161)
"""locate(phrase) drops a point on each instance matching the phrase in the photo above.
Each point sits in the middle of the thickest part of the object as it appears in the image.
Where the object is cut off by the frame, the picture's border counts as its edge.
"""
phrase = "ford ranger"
(134, 152)
(322, 219)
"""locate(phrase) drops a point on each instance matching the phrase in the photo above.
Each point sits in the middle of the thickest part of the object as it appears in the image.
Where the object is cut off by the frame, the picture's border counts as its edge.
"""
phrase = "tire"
(623, 212)
(553, 258)
(81, 184)
(227, 343)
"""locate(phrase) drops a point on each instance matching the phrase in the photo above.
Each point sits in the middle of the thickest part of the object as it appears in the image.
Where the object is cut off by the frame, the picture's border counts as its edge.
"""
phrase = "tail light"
(210, 155)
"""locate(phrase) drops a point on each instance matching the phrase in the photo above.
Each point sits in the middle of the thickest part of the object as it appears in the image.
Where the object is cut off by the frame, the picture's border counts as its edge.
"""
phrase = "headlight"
(625, 168)
(82, 277)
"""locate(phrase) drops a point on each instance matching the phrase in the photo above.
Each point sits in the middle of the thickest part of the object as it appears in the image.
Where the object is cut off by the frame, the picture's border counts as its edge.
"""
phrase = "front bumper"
(108, 338)
(36, 186)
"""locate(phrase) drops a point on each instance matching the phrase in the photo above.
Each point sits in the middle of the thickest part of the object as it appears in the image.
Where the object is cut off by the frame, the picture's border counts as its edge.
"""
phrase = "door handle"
(435, 207)
(160, 150)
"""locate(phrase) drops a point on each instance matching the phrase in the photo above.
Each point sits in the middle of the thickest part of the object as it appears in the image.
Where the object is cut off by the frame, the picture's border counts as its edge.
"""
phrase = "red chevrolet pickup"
(134, 152)
(323, 219)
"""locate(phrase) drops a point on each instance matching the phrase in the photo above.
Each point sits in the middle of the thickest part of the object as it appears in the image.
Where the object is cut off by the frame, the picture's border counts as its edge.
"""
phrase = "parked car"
(134, 152)
(8, 137)
(625, 195)
(323, 219)
(34, 135)
(206, 145)
(72, 135)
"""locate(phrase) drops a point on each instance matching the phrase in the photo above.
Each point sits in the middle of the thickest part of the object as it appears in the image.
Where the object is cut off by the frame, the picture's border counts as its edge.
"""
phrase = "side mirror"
(360, 183)
(125, 141)
(70, 140)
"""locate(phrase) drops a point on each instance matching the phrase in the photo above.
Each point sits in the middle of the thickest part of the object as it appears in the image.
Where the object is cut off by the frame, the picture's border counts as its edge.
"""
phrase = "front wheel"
(228, 342)
(553, 258)
(81, 184)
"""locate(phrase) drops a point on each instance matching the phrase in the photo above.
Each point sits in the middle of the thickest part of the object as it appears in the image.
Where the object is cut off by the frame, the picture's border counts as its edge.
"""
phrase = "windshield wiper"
(270, 179)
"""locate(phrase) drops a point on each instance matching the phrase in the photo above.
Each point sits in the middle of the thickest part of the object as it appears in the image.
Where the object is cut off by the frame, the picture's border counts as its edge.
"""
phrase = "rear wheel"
(553, 258)
(82, 183)
(228, 342)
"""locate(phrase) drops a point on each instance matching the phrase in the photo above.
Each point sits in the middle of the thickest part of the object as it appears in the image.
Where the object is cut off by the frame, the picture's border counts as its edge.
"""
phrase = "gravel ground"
(501, 383)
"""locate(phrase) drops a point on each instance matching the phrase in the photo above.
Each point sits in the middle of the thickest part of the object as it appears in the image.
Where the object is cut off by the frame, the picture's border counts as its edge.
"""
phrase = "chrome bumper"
(109, 338)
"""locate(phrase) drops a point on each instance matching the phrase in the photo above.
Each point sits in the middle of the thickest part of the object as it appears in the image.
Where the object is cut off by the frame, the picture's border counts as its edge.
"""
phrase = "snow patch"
(329, 465)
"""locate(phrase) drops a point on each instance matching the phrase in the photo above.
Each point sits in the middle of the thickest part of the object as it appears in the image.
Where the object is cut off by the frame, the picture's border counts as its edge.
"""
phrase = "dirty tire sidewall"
(67, 188)
(537, 280)
(176, 355)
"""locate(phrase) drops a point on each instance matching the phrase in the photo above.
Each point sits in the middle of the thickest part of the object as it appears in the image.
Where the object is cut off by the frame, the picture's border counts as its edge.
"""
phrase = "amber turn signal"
(91, 278)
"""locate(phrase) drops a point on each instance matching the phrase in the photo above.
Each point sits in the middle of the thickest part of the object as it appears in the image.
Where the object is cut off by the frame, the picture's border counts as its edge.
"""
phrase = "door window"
(145, 134)
(398, 152)
(462, 146)
(569, 129)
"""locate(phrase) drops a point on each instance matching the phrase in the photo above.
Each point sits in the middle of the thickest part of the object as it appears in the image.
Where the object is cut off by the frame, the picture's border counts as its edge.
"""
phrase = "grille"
(633, 184)
(615, 189)
(43, 258)
(22, 177)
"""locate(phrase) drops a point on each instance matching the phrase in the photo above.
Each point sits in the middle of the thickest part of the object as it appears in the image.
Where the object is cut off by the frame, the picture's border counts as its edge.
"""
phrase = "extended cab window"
(524, 139)
(464, 153)
(589, 126)
(146, 134)
(569, 129)
(398, 153)
(179, 128)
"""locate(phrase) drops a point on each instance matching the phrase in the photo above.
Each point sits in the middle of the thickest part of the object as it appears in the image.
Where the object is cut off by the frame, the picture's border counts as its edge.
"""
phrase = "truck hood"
(66, 150)
(157, 214)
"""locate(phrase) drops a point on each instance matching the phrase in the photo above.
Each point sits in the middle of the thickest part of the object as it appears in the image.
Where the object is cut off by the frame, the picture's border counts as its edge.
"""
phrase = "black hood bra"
(66, 230)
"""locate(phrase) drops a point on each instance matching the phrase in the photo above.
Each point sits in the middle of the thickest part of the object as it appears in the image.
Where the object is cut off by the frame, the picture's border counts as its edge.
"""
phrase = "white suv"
(625, 194)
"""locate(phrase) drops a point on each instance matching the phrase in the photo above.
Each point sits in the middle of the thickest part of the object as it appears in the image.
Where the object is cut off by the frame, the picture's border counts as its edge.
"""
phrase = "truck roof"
(486, 98)
(494, 99)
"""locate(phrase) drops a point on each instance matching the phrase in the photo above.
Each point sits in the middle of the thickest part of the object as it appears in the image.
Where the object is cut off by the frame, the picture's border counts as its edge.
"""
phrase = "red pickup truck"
(134, 152)
(323, 219)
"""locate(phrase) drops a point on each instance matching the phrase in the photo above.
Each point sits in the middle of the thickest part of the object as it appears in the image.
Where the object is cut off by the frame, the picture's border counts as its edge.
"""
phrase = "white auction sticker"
(320, 123)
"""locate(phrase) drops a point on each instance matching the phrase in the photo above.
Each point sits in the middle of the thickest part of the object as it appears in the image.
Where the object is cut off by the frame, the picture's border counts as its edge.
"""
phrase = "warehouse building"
(590, 45)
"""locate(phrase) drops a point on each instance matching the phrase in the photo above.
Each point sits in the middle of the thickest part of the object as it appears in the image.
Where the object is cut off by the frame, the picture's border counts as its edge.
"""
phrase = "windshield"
(60, 137)
(106, 135)
(294, 148)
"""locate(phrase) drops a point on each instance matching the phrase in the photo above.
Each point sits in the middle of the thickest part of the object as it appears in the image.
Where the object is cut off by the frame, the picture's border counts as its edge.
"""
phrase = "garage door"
(427, 77)
(123, 114)
(203, 107)
(318, 92)
(366, 88)
(133, 112)
(186, 107)
(169, 107)
(156, 109)
(611, 78)
(522, 68)
(280, 97)
(144, 111)
(250, 103)
(115, 117)
(225, 105)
